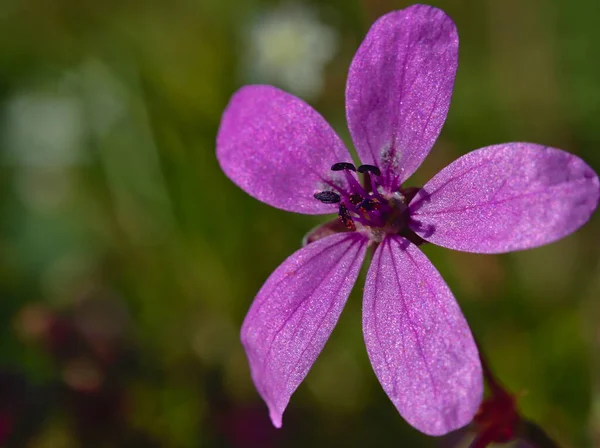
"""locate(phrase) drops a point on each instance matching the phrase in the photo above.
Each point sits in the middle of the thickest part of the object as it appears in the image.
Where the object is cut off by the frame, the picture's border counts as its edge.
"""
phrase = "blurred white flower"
(49, 126)
(44, 133)
(44, 129)
(290, 47)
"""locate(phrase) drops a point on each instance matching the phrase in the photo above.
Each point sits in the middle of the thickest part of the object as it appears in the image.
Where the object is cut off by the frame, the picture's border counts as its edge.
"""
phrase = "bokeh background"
(128, 259)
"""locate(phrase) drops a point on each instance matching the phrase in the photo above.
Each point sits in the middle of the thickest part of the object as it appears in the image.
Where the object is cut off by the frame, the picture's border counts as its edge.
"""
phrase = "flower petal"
(418, 341)
(399, 89)
(505, 197)
(279, 149)
(294, 313)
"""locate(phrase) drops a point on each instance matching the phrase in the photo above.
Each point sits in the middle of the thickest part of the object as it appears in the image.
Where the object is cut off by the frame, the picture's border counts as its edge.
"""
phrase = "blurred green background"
(128, 259)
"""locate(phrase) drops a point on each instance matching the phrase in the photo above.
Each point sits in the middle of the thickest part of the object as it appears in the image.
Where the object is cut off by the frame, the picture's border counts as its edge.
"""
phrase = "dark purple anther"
(345, 217)
(369, 169)
(328, 197)
(355, 198)
(369, 204)
(341, 166)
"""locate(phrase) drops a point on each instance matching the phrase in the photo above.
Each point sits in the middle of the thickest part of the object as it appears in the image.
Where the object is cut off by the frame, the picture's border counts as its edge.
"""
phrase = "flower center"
(368, 206)
(364, 204)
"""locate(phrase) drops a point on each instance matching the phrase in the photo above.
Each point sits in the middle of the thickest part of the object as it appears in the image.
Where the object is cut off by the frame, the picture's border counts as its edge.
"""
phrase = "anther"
(369, 204)
(341, 166)
(369, 169)
(345, 218)
(355, 198)
(327, 197)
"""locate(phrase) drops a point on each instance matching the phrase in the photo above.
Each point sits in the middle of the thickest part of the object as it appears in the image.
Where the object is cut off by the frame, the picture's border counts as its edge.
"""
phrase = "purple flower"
(497, 199)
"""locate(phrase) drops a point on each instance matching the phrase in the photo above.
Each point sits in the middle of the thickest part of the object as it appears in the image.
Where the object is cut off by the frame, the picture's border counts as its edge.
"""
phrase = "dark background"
(128, 259)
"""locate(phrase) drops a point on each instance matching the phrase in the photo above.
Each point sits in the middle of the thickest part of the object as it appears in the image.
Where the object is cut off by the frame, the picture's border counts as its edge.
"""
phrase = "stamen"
(353, 184)
(345, 218)
(328, 197)
(340, 166)
(369, 204)
(360, 205)
(369, 169)
(355, 198)
(374, 188)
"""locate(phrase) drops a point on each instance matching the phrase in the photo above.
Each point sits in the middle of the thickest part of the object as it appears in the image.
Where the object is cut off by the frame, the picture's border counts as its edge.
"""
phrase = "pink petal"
(294, 313)
(418, 341)
(399, 89)
(279, 149)
(504, 198)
